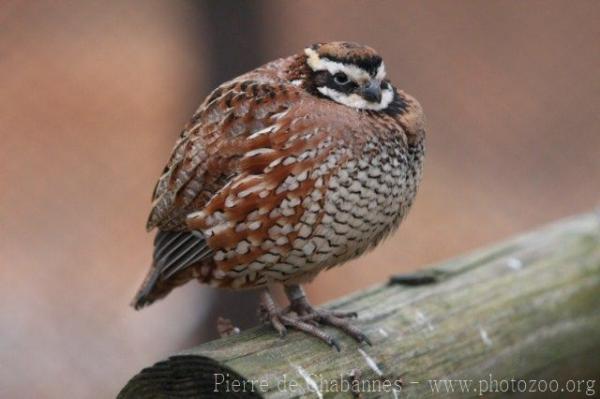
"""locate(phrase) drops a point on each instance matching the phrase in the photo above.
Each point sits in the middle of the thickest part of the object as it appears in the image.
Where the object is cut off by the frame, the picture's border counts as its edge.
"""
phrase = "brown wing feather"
(205, 157)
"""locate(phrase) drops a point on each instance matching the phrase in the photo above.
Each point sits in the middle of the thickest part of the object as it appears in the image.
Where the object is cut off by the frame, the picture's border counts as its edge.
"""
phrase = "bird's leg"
(300, 305)
(281, 320)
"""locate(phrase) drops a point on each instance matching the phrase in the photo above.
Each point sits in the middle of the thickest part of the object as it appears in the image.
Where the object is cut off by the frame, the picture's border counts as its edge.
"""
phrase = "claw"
(366, 340)
(278, 325)
(282, 331)
(344, 315)
(334, 344)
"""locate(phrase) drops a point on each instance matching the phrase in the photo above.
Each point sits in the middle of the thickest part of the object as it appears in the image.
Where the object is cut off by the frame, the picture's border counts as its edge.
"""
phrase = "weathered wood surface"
(525, 308)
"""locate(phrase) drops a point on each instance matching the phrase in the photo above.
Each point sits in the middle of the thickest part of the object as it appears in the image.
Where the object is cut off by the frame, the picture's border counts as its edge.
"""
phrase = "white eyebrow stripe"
(355, 73)
(380, 72)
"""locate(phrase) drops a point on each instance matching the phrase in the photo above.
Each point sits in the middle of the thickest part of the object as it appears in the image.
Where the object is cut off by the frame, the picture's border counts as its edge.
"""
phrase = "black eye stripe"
(341, 78)
(325, 79)
(346, 88)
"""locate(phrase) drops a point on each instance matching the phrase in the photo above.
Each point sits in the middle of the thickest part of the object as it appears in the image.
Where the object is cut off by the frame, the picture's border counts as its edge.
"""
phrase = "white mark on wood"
(383, 333)
(395, 393)
(484, 337)
(422, 319)
(309, 381)
(514, 263)
(370, 362)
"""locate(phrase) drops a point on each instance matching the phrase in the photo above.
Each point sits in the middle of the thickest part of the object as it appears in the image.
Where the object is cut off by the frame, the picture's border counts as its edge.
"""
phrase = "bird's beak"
(372, 91)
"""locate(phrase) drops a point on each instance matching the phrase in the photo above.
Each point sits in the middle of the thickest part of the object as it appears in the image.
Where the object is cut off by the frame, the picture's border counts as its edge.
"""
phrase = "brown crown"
(349, 53)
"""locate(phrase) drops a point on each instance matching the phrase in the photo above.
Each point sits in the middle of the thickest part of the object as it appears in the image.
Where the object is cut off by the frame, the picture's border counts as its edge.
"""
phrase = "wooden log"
(527, 309)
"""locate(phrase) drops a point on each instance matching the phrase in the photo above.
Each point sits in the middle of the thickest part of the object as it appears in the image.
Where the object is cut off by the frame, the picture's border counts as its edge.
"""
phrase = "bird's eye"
(341, 78)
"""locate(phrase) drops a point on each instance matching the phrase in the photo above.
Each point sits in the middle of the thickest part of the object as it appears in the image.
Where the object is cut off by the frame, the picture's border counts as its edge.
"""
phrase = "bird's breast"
(324, 198)
(366, 199)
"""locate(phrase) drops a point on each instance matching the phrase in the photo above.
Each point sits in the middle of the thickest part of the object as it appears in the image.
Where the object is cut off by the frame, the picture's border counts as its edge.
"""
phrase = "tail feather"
(174, 252)
(143, 297)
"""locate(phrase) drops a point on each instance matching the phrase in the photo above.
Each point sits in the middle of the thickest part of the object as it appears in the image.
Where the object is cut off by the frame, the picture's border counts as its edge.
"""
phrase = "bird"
(295, 167)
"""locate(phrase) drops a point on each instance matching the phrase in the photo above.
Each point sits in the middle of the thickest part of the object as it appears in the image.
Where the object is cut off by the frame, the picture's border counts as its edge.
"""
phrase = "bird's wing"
(206, 158)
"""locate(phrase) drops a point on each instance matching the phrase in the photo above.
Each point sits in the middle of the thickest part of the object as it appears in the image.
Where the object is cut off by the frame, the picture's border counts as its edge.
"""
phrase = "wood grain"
(524, 308)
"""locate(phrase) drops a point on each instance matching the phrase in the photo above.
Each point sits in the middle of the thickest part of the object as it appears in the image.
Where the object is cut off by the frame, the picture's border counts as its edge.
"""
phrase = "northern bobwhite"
(290, 169)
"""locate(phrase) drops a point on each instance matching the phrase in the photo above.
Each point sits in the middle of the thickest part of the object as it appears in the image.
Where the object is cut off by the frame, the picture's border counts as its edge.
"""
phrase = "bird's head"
(350, 74)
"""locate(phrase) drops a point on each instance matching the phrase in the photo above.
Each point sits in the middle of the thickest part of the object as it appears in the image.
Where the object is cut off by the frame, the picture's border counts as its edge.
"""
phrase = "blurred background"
(93, 95)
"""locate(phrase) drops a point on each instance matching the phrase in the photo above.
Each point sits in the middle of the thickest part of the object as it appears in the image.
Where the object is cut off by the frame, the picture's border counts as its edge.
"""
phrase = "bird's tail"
(147, 293)
(174, 254)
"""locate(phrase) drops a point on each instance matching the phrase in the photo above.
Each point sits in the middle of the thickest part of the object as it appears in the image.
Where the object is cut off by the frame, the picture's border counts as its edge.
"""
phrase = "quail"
(295, 167)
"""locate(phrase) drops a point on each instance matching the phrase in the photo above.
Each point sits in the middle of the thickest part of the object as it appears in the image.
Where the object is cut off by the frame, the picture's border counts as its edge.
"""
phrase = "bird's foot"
(282, 319)
(300, 315)
(339, 320)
